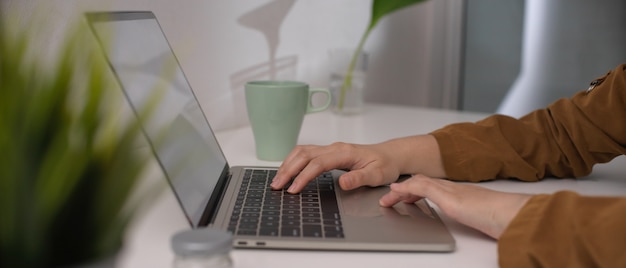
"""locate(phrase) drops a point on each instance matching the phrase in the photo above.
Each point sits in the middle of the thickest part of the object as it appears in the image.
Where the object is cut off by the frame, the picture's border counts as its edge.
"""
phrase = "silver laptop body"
(208, 189)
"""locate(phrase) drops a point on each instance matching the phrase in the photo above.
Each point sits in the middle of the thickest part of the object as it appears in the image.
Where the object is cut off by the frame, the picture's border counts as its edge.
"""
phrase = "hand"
(368, 164)
(485, 210)
(371, 165)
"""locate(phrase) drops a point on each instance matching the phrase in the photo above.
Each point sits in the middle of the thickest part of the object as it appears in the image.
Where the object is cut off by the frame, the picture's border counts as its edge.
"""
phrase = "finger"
(412, 199)
(297, 159)
(436, 190)
(330, 159)
(313, 169)
(393, 197)
(412, 189)
(369, 176)
(389, 199)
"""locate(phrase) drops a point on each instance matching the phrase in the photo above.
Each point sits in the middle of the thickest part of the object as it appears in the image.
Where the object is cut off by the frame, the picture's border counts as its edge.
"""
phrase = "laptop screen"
(178, 131)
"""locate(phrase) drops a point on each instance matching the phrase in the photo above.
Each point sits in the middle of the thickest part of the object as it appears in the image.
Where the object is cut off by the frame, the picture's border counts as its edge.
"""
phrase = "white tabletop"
(148, 238)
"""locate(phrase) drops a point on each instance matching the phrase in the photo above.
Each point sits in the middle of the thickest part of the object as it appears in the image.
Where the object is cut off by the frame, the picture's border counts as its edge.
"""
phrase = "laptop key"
(256, 191)
(291, 212)
(271, 207)
(268, 231)
(333, 229)
(250, 215)
(290, 231)
(271, 213)
(310, 215)
(332, 222)
(291, 223)
(291, 207)
(270, 224)
(329, 202)
(334, 234)
(291, 197)
(291, 217)
(274, 193)
(254, 221)
(253, 195)
(292, 202)
(251, 209)
(311, 210)
(254, 200)
(246, 232)
(331, 216)
(247, 225)
(272, 202)
(270, 218)
(312, 231)
(311, 221)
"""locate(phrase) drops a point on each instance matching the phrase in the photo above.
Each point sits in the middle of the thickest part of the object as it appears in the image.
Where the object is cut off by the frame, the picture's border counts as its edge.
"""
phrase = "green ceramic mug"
(276, 110)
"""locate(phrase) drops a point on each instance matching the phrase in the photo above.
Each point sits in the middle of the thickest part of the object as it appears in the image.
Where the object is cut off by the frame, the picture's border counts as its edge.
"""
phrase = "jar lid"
(204, 241)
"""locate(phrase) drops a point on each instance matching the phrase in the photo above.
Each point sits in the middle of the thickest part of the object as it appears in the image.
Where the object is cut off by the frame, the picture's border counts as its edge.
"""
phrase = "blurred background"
(453, 54)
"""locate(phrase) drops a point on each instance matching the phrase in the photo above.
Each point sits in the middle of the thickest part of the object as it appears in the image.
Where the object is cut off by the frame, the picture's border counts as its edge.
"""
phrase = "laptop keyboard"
(261, 211)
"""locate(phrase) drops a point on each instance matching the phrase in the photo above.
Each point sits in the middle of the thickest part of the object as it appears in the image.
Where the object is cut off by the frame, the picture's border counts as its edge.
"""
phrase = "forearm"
(566, 230)
(563, 140)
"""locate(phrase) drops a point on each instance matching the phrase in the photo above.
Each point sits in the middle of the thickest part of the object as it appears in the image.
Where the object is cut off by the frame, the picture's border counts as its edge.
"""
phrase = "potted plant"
(70, 165)
(380, 8)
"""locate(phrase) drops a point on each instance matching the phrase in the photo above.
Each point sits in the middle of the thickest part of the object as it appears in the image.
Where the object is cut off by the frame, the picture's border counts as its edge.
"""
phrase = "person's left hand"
(485, 210)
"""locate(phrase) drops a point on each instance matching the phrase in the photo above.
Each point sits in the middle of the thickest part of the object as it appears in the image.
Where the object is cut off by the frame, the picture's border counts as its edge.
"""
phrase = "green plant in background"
(69, 165)
(380, 8)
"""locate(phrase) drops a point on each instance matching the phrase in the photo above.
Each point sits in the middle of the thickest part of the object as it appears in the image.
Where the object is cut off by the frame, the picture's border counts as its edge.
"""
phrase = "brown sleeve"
(566, 230)
(563, 140)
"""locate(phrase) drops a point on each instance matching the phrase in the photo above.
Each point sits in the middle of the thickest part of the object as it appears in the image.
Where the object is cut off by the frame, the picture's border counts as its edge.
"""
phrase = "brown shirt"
(563, 140)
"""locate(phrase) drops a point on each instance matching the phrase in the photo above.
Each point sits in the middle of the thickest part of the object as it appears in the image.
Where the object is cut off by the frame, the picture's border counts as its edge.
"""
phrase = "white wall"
(220, 46)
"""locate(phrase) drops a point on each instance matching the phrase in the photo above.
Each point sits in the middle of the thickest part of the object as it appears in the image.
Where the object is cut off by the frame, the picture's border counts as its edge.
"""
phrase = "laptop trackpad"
(365, 220)
(363, 202)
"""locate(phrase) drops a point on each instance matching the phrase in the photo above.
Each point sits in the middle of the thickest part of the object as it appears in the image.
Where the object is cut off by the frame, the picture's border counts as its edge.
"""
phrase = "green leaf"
(381, 8)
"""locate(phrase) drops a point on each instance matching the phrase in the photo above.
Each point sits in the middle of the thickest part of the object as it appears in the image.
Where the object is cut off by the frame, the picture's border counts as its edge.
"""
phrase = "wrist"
(415, 155)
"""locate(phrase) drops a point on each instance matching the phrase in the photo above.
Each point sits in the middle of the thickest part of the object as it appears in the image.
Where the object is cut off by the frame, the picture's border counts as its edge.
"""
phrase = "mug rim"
(276, 83)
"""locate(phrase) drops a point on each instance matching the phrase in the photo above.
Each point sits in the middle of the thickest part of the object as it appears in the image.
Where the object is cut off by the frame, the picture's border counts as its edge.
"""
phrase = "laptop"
(212, 194)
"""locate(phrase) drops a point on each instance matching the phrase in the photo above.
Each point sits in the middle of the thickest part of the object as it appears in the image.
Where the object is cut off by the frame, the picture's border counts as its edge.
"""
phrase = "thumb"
(360, 177)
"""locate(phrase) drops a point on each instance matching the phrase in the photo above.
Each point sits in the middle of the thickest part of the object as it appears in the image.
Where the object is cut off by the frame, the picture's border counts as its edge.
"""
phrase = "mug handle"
(312, 91)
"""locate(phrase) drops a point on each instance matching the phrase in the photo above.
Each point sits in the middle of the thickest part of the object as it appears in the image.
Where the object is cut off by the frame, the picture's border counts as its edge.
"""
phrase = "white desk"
(148, 239)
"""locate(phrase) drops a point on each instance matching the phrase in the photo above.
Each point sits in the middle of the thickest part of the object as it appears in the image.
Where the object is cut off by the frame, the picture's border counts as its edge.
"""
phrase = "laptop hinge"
(210, 212)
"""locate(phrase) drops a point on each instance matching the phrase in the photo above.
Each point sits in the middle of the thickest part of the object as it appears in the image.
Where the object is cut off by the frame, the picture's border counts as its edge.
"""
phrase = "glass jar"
(347, 92)
(202, 248)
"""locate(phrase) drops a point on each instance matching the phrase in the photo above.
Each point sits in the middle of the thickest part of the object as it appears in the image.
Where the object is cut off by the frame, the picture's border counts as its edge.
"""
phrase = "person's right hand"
(483, 209)
(371, 165)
